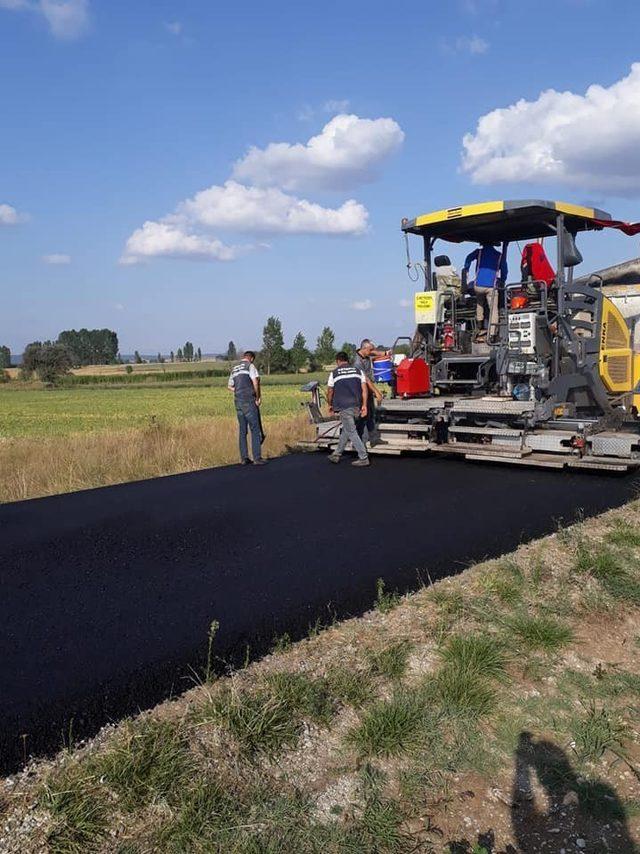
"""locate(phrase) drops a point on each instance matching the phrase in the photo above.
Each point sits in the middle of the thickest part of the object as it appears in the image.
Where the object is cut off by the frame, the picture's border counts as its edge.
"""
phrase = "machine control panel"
(522, 331)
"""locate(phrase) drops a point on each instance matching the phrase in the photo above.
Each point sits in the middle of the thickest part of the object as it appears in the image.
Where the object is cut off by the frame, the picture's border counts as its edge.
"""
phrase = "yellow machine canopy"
(493, 222)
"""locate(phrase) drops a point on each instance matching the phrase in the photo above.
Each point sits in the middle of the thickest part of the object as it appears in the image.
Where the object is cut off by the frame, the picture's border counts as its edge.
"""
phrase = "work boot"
(246, 462)
(334, 458)
(364, 462)
(374, 442)
(260, 462)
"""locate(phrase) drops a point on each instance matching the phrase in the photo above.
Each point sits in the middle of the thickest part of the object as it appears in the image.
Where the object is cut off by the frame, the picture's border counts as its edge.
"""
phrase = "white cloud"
(173, 27)
(67, 19)
(332, 106)
(590, 141)
(480, 7)
(347, 152)
(349, 148)
(9, 215)
(362, 305)
(268, 210)
(57, 259)
(172, 239)
(473, 45)
(306, 113)
(234, 207)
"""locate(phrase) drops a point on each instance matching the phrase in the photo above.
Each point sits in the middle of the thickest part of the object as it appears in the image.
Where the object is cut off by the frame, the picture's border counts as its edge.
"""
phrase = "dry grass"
(31, 467)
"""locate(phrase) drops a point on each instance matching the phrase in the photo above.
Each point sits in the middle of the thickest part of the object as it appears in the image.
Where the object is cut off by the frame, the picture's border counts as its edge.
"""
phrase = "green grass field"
(58, 412)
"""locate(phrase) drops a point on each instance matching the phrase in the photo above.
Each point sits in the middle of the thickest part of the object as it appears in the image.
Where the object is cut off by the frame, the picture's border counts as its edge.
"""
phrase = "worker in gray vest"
(244, 382)
(363, 362)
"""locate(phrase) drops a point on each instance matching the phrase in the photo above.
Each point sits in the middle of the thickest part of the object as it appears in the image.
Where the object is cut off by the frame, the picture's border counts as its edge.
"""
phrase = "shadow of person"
(580, 813)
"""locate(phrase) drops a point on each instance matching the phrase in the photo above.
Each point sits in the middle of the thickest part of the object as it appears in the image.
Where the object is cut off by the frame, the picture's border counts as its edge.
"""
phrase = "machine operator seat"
(535, 266)
(445, 276)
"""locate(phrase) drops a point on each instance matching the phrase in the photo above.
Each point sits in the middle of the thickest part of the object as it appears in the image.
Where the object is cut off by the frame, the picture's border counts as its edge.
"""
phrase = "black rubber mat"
(107, 595)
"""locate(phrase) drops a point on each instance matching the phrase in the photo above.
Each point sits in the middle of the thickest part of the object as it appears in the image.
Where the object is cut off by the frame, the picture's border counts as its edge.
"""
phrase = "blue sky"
(116, 114)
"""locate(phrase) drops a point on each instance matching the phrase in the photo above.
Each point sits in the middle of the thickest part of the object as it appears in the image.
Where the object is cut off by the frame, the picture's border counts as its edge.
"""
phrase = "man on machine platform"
(491, 269)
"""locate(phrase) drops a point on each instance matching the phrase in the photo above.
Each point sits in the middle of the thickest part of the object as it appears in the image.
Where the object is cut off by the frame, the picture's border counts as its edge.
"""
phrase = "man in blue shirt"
(347, 396)
(491, 268)
(244, 382)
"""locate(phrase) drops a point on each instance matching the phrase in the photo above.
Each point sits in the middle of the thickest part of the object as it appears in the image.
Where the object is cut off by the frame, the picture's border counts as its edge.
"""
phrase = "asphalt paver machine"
(554, 382)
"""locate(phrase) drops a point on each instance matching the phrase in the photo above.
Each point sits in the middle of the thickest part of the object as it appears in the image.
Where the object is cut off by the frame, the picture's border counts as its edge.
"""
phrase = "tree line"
(73, 348)
(274, 357)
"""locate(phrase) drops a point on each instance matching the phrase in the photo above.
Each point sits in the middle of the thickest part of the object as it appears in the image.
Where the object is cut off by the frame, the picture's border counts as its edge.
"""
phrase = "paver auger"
(554, 382)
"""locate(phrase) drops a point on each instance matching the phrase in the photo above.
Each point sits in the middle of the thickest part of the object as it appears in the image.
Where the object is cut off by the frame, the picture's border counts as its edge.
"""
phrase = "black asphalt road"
(107, 595)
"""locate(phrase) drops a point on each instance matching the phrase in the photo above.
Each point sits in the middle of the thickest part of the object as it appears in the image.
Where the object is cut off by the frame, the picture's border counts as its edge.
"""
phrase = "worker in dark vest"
(244, 382)
(347, 397)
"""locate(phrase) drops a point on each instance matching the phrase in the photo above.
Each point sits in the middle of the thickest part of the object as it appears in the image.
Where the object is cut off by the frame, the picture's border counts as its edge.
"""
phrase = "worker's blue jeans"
(247, 412)
(349, 432)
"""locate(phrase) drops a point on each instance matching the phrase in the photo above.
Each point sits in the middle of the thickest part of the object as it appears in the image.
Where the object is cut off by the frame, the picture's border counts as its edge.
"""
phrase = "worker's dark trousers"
(248, 417)
(370, 421)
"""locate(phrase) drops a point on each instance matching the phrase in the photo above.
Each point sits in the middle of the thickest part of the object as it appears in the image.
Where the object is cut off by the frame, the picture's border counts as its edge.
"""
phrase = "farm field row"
(61, 412)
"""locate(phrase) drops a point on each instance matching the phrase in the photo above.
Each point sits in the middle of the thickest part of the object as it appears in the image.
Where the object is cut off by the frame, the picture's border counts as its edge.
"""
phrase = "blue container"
(383, 370)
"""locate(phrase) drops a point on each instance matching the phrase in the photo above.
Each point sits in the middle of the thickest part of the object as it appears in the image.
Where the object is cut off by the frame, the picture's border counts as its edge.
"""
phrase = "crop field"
(83, 436)
(85, 409)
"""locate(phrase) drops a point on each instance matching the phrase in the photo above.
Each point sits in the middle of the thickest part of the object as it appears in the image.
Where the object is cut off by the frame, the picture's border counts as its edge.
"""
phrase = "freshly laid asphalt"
(107, 595)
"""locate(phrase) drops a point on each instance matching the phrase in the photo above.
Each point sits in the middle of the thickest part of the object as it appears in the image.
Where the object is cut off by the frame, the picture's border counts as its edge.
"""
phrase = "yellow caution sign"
(425, 304)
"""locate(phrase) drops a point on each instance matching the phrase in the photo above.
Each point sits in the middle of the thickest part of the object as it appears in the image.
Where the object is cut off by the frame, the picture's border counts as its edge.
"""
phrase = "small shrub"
(349, 686)
(450, 602)
(476, 655)
(202, 812)
(248, 814)
(624, 534)
(379, 826)
(390, 727)
(211, 636)
(271, 718)
(282, 643)
(79, 807)
(462, 693)
(602, 683)
(150, 760)
(598, 731)
(384, 601)
(610, 570)
(304, 696)
(539, 633)
(505, 581)
(391, 661)
(259, 723)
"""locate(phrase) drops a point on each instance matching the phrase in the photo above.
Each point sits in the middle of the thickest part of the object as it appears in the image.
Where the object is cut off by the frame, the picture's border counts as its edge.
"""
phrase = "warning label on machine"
(424, 303)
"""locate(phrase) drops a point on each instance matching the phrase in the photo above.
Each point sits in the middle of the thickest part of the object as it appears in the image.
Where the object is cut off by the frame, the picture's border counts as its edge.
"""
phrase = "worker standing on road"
(363, 363)
(347, 396)
(244, 382)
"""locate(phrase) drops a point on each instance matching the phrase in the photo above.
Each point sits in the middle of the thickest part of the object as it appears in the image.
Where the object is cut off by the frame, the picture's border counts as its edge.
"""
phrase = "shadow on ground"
(580, 814)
